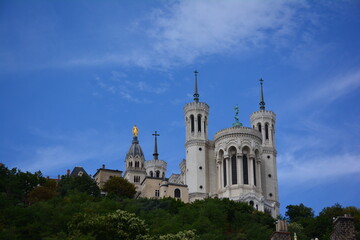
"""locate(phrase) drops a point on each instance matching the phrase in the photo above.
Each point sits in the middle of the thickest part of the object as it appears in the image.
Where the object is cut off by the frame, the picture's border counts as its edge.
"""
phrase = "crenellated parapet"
(195, 106)
(265, 114)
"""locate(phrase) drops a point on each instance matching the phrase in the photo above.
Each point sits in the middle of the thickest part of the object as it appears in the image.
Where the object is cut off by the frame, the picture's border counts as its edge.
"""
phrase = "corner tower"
(264, 121)
(135, 169)
(197, 169)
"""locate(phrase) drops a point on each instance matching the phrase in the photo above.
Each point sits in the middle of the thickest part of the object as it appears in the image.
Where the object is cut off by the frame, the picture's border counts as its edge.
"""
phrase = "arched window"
(224, 172)
(251, 203)
(151, 174)
(233, 169)
(177, 193)
(259, 127)
(163, 175)
(266, 131)
(158, 174)
(205, 122)
(136, 164)
(192, 123)
(245, 169)
(130, 164)
(199, 122)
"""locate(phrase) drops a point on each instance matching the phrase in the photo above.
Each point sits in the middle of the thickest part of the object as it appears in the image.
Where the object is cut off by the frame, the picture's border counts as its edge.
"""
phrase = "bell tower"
(135, 169)
(197, 169)
(264, 121)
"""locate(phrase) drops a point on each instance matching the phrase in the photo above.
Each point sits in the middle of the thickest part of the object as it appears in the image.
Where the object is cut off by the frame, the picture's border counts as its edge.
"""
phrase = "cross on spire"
(156, 154)
(196, 94)
(262, 102)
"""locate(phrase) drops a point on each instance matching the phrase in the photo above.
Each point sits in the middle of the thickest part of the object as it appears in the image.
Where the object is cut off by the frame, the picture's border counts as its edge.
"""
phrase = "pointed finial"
(156, 154)
(196, 94)
(262, 102)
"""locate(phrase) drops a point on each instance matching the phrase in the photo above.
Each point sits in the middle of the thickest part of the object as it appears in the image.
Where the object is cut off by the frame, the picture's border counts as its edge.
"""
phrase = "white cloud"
(184, 31)
(294, 171)
(129, 90)
(330, 90)
(190, 29)
(67, 150)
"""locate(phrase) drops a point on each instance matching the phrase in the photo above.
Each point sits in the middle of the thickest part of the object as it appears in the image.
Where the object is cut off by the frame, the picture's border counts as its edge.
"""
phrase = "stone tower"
(197, 169)
(264, 121)
(156, 168)
(135, 160)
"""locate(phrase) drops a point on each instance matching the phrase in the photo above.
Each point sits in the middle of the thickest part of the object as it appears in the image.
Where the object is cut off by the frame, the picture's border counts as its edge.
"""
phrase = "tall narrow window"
(254, 167)
(136, 164)
(177, 193)
(259, 127)
(192, 123)
(224, 172)
(205, 122)
(151, 174)
(199, 122)
(158, 174)
(266, 131)
(233, 169)
(245, 169)
(157, 193)
(137, 179)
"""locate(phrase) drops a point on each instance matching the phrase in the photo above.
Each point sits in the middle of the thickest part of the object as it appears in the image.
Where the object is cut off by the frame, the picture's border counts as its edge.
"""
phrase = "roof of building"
(107, 170)
(135, 149)
(78, 171)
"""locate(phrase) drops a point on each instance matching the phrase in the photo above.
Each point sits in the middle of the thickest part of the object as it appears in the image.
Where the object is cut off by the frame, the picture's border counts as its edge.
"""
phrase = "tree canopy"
(120, 187)
(32, 208)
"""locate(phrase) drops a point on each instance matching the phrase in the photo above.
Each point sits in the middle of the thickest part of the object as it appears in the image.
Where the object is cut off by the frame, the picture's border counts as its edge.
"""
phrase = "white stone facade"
(239, 164)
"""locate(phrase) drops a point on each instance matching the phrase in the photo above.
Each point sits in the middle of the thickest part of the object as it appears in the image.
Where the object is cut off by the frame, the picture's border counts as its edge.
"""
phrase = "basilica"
(239, 163)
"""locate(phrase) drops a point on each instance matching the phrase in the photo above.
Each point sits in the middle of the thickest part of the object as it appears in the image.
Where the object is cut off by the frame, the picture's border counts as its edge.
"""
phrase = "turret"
(156, 168)
(264, 121)
(196, 121)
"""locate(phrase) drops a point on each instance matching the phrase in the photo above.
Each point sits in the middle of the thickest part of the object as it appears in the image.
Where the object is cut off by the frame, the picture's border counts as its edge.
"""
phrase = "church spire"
(262, 103)
(156, 154)
(196, 94)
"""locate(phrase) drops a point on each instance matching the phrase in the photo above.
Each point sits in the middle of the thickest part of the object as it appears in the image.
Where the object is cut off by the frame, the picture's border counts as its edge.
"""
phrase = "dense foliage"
(119, 187)
(32, 207)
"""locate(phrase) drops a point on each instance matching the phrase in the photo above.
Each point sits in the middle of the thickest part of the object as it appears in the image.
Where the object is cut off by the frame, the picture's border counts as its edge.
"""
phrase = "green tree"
(117, 225)
(120, 187)
(16, 185)
(43, 193)
(82, 183)
(294, 213)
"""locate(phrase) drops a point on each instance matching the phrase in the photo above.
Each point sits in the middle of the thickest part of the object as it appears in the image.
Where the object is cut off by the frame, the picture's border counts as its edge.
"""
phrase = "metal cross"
(156, 134)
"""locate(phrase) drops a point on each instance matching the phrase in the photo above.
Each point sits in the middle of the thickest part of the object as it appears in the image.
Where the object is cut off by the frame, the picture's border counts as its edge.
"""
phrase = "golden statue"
(135, 131)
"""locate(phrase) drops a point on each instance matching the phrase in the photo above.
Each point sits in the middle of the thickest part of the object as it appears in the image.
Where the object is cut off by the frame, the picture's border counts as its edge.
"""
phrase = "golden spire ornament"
(135, 131)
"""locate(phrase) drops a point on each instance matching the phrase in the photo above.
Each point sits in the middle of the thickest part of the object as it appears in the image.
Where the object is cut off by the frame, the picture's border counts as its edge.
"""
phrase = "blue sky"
(75, 76)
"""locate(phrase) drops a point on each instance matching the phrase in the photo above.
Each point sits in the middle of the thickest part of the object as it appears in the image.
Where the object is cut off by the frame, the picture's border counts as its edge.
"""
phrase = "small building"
(103, 174)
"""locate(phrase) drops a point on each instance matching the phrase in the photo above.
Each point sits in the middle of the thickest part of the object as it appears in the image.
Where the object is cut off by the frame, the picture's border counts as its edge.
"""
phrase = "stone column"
(219, 173)
(271, 137)
(251, 169)
(196, 130)
(239, 168)
(258, 165)
(228, 171)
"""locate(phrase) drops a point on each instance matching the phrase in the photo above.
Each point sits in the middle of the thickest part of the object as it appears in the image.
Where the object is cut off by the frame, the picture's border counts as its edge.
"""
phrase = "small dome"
(135, 149)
